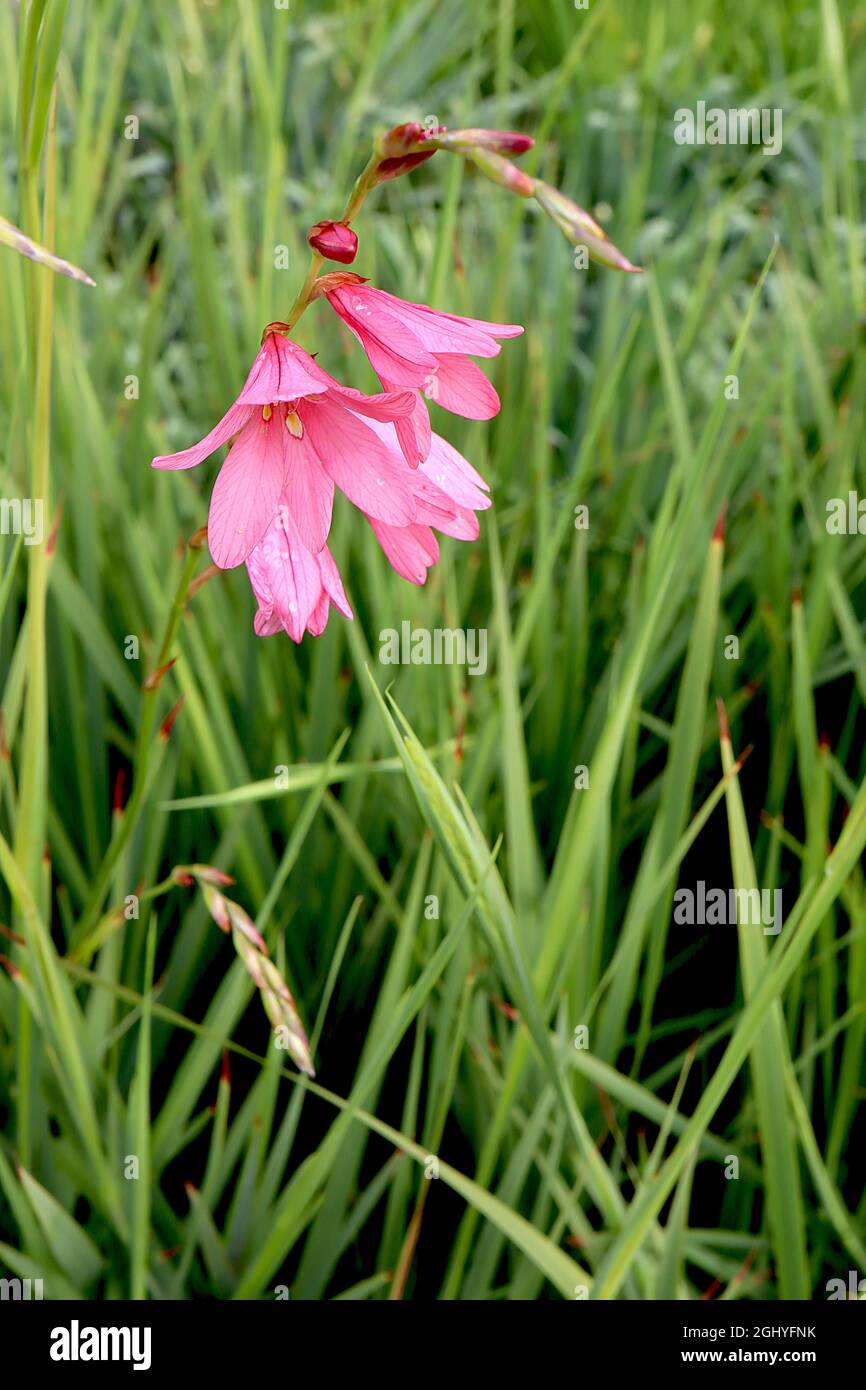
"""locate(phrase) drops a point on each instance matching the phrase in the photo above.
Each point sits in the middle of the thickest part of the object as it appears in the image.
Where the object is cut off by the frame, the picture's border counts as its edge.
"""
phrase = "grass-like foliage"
(455, 894)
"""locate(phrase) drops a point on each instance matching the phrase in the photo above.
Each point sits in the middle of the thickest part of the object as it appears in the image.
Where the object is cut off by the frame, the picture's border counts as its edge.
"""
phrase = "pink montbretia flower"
(298, 434)
(410, 345)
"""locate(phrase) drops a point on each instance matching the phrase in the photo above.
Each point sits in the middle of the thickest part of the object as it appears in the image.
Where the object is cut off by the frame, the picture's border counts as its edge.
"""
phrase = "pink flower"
(298, 434)
(410, 345)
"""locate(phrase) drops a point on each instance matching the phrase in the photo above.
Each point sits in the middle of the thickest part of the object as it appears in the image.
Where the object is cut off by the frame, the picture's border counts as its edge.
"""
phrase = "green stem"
(364, 183)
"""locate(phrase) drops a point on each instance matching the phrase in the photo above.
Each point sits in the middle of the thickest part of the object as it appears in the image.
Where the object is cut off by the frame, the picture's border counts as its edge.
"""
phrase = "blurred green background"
(447, 908)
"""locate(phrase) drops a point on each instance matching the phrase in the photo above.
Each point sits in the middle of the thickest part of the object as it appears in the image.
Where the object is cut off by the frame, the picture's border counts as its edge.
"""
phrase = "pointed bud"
(334, 240)
(168, 722)
(154, 680)
(402, 149)
(581, 229)
(498, 141)
(208, 874)
(217, 906)
(11, 235)
(405, 139)
(244, 924)
(502, 171)
(277, 1000)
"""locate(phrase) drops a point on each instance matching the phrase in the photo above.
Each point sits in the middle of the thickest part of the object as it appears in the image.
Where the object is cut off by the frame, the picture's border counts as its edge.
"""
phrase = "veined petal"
(413, 433)
(282, 371)
(359, 463)
(267, 623)
(232, 423)
(385, 405)
(332, 582)
(408, 435)
(247, 491)
(318, 619)
(439, 332)
(463, 527)
(461, 387)
(455, 475)
(308, 493)
(495, 330)
(395, 352)
(410, 550)
(432, 505)
(282, 568)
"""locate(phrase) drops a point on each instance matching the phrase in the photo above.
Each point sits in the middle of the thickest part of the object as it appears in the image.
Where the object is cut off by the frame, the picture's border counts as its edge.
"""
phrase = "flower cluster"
(297, 434)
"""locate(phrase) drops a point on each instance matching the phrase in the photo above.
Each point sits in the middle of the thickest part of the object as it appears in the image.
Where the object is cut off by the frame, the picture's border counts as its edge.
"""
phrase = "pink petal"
(410, 550)
(284, 572)
(318, 619)
(266, 623)
(433, 507)
(455, 475)
(461, 387)
(407, 435)
(332, 582)
(308, 493)
(359, 463)
(232, 422)
(442, 332)
(386, 405)
(247, 491)
(463, 527)
(394, 351)
(282, 371)
(413, 434)
(496, 330)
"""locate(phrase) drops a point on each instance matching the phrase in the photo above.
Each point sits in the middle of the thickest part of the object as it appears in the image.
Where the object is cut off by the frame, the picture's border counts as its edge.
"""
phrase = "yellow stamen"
(267, 411)
(294, 424)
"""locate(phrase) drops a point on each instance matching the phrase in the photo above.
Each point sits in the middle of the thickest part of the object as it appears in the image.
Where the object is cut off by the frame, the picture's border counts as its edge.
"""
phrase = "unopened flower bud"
(404, 139)
(502, 171)
(401, 164)
(581, 229)
(243, 923)
(498, 141)
(334, 240)
(217, 906)
(208, 874)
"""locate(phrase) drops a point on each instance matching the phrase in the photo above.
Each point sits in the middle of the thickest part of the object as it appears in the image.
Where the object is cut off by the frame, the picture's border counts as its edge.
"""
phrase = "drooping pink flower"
(411, 345)
(299, 433)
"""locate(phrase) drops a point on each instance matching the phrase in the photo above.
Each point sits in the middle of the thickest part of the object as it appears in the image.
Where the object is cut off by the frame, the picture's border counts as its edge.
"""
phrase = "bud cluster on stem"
(400, 150)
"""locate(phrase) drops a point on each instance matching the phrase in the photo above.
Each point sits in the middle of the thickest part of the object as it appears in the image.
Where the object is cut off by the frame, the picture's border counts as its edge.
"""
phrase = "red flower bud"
(402, 164)
(403, 139)
(499, 141)
(334, 240)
